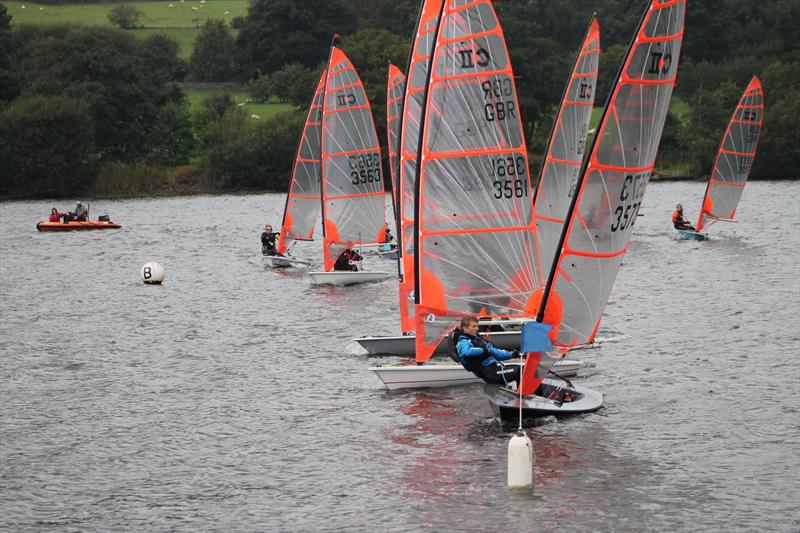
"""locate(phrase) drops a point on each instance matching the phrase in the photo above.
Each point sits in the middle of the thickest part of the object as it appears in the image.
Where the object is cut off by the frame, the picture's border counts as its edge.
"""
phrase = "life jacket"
(676, 217)
(473, 363)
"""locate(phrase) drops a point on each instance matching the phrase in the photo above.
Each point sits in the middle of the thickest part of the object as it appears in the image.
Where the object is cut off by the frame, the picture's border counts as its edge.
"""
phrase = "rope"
(519, 390)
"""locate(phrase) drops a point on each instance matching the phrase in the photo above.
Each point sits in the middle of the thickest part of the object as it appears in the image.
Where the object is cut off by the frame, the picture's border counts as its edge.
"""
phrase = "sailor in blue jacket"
(480, 357)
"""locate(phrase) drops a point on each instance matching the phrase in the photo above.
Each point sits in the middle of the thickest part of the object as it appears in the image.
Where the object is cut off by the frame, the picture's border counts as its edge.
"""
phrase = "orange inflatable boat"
(75, 225)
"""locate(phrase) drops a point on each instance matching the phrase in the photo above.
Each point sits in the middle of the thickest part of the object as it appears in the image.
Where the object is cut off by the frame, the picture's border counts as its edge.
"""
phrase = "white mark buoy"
(520, 461)
(153, 273)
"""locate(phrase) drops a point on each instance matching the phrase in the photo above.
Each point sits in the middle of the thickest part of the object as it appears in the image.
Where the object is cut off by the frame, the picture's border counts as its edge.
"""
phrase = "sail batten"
(734, 157)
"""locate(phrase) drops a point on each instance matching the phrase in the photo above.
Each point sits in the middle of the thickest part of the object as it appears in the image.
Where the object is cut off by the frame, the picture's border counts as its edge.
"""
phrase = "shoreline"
(198, 190)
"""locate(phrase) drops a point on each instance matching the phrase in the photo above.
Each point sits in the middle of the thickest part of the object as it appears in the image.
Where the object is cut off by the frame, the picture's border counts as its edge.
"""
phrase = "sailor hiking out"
(480, 357)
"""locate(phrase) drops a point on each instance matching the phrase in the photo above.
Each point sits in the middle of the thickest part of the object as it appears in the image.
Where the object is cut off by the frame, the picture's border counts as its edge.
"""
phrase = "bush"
(46, 146)
(261, 89)
(126, 17)
(242, 153)
(212, 58)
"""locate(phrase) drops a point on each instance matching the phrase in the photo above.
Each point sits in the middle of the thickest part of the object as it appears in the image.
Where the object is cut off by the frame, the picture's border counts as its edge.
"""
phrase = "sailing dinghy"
(499, 149)
(734, 160)
(556, 186)
(601, 216)
(351, 175)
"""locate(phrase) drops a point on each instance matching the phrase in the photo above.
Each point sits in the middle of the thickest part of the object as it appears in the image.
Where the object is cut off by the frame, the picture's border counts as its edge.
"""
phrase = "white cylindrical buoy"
(153, 273)
(520, 461)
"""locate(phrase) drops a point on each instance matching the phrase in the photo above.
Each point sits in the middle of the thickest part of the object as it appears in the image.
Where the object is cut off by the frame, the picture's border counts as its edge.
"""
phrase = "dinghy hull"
(429, 375)
(342, 278)
(404, 344)
(506, 404)
(692, 235)
(277, 261)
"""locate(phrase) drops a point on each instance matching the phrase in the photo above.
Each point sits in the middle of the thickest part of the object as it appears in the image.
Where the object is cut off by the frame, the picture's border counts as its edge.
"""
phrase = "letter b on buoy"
(153, 273)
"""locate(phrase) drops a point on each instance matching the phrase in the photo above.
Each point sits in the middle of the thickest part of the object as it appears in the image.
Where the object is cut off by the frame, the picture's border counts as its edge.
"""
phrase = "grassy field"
(178, 19)
(195, 98)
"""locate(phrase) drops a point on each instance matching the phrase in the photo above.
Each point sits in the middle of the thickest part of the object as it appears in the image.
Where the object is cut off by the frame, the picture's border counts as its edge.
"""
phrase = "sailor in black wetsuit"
(480, 357)
(347, 261)
(268, 244)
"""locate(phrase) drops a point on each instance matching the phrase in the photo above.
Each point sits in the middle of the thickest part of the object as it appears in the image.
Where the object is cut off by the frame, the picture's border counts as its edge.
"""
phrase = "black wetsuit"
(268, 245)
(343, 261)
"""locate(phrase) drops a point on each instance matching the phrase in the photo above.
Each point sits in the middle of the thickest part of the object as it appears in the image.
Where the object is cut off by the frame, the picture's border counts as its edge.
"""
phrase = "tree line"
(74, 99)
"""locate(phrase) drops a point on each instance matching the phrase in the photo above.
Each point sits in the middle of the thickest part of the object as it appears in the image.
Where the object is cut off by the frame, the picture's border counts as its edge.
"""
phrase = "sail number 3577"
(631, 198)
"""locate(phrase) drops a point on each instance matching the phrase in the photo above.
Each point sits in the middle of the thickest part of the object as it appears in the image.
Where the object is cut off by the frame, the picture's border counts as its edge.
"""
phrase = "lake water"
(229, 399)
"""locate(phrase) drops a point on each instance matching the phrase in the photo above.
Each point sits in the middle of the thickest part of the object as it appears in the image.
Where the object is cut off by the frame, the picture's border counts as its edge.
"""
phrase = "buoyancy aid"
(475, 362)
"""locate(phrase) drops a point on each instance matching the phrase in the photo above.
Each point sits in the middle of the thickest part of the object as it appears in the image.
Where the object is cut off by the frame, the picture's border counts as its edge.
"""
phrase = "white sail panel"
(302, 202)
(475, 230)
(565, 150)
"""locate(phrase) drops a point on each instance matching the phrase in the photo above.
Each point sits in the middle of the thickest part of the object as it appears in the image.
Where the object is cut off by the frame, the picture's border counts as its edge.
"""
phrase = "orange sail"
(352, 177)
(302, 202)
(475, 232)
(565, 150)
(394, 107)
(413, 100)
(612, 182)
(735, 157)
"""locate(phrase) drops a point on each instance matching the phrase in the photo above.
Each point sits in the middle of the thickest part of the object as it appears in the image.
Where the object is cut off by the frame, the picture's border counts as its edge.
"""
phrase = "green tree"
(280, 32)
(261, 89)
(160, 54)
(9, 87)
(244, 153)
(294, 84)
(46, 146)
(214, 49)
(211, 110)
(124, 16)
(110, 71)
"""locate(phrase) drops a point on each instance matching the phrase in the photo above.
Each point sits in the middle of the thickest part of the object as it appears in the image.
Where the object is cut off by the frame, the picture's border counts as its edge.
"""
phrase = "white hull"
(346, 278)
(277, 261)
(506, 404)
(431, 375)
(404, 344)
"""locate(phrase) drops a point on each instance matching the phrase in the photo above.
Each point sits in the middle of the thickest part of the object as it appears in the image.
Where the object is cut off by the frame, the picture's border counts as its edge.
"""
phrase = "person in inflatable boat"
(80, 213)
(55, 216)
(480, 357)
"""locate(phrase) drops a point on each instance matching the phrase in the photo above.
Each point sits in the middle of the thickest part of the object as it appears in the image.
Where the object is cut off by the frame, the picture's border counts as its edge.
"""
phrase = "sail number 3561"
(515, 184)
